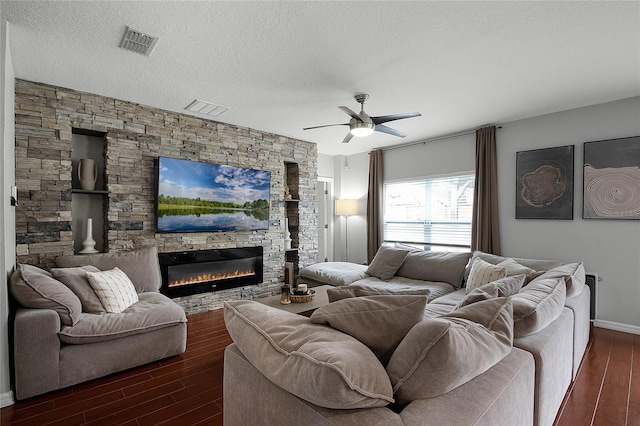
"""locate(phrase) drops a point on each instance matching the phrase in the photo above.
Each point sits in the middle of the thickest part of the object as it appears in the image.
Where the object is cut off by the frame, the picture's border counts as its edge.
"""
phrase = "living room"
(608, 248)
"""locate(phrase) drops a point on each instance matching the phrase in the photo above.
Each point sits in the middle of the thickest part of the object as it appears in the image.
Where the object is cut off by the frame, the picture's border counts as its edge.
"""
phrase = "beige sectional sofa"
(62, 334)
(545, 303)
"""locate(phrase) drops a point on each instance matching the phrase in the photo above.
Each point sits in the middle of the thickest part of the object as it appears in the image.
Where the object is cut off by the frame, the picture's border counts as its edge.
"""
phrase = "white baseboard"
(626, 328)
(6, 399)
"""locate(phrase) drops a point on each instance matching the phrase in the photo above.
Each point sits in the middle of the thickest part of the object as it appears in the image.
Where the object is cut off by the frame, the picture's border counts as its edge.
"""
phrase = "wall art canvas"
(544, 188)
(612, 179)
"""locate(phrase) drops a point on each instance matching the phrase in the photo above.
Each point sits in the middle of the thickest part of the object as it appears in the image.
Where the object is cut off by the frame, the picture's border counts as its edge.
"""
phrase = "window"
(430, 213)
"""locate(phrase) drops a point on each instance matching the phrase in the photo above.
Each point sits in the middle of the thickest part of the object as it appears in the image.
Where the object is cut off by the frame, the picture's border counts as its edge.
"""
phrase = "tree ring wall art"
(544, 187)
(612, 179)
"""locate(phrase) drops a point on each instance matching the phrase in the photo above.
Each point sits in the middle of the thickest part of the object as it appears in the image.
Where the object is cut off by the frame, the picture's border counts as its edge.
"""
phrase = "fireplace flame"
(211, 277)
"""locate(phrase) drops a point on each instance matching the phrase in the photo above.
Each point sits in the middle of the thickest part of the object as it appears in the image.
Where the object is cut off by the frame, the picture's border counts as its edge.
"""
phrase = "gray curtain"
(374, 204)
(485, 233)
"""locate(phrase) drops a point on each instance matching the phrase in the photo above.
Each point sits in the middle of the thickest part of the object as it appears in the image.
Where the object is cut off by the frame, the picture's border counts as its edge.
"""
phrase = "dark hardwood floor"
(187, 389)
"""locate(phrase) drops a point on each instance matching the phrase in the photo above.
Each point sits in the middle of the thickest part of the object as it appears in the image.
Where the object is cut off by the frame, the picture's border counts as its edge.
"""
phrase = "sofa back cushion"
(386, 262)
(440, 354)
(314, 362)
(380, 322)
(533, 264)
(35, 288)
(141, 266)
(537, 305)
(77, 281)
(445, 267)
(574, 275)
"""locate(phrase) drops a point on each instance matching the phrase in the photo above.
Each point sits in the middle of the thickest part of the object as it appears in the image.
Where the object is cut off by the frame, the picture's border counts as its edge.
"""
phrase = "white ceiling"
(282, 66)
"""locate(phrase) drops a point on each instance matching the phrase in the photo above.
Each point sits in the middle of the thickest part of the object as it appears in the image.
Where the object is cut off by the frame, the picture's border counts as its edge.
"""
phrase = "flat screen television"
(194, 196)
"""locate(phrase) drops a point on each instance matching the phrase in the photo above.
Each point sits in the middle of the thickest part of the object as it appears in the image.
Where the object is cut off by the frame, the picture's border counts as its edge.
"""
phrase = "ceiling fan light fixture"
(362, 129)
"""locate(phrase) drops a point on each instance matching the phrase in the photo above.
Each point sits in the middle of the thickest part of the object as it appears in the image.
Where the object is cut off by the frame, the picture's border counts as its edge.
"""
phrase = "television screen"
(194, 196)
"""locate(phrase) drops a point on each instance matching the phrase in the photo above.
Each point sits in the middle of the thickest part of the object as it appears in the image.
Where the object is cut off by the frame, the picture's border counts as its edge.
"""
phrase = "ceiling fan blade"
(347, 138)
(325, 125)
(384, 118)
(350, 112)
(388, 130)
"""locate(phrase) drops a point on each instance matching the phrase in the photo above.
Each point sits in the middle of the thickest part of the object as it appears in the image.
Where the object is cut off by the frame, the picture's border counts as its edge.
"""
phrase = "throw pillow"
(338, 293)
(437, 266)
(386, 262)
(77, 281)
(537, 305)
(314, 362)
(114, 289)
(504, 287)
(440, 354)
(35, 288)
(380, 322)
(482, 273)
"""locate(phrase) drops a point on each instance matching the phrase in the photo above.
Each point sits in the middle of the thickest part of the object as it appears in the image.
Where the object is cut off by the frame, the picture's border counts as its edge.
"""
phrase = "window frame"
(432, 246)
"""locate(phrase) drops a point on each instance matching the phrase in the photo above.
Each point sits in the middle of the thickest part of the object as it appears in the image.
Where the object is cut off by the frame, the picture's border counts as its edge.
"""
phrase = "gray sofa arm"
(36, 349)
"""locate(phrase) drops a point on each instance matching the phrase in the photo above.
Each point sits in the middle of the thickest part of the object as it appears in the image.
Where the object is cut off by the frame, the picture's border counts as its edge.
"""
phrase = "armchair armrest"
(36, 348)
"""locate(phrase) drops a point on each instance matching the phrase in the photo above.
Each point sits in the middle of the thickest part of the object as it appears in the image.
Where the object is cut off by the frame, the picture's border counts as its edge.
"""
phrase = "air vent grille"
(207, 108)
(139, 42)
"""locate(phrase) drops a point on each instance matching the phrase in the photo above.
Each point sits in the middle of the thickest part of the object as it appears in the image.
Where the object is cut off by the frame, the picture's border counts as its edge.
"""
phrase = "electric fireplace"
(202, 271)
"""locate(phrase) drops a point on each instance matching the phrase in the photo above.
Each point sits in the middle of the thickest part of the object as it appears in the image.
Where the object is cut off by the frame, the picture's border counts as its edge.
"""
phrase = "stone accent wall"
(135, 136)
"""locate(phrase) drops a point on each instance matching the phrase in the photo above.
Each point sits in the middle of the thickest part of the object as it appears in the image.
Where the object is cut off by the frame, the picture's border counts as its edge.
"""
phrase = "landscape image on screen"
(195, 196)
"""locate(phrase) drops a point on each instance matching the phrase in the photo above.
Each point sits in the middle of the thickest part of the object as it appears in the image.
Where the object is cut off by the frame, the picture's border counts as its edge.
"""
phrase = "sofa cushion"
(77, 281)
(314, 362)
(386, 262)
(574, 275)
(345, 292)
(35, 288)
(537, 305)
(380, 322)
(141, 266)
(504, 287)
(440, 354)
(482, 273)
(152, 312)
(445, 267)
(397, 283)
(114, 289)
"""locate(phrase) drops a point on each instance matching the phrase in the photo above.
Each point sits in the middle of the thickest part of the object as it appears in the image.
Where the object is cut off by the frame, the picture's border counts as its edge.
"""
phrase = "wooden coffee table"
(307, 308)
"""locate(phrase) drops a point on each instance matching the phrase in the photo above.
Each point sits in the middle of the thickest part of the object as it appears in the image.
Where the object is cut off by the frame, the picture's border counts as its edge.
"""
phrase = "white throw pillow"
(114, 289)
(483, 273)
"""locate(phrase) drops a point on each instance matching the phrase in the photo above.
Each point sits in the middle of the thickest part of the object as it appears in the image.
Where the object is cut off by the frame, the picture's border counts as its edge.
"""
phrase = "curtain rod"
(410, 144)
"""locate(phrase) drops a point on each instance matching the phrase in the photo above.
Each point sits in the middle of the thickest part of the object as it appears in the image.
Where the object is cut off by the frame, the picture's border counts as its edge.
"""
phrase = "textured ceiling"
(282, 66)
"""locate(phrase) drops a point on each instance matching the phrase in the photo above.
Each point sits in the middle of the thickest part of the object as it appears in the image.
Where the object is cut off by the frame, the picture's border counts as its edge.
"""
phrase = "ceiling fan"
(362, 124)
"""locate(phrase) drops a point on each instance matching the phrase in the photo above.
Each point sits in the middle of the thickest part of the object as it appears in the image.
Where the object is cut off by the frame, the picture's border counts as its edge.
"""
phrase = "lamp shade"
(346, 207)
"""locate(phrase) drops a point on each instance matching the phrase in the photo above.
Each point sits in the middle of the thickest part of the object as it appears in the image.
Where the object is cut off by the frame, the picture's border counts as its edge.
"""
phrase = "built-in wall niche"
(88, 203)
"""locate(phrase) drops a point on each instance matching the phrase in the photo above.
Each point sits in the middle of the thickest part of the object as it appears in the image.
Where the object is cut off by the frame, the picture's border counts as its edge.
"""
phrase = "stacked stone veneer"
(135, 136)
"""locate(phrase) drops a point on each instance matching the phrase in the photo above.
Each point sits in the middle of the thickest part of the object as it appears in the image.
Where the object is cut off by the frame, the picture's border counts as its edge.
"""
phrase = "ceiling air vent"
(204, 107)
(139, 42)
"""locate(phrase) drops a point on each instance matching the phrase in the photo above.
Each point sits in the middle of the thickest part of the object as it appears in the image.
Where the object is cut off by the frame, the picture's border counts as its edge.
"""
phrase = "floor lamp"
(346, 208)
